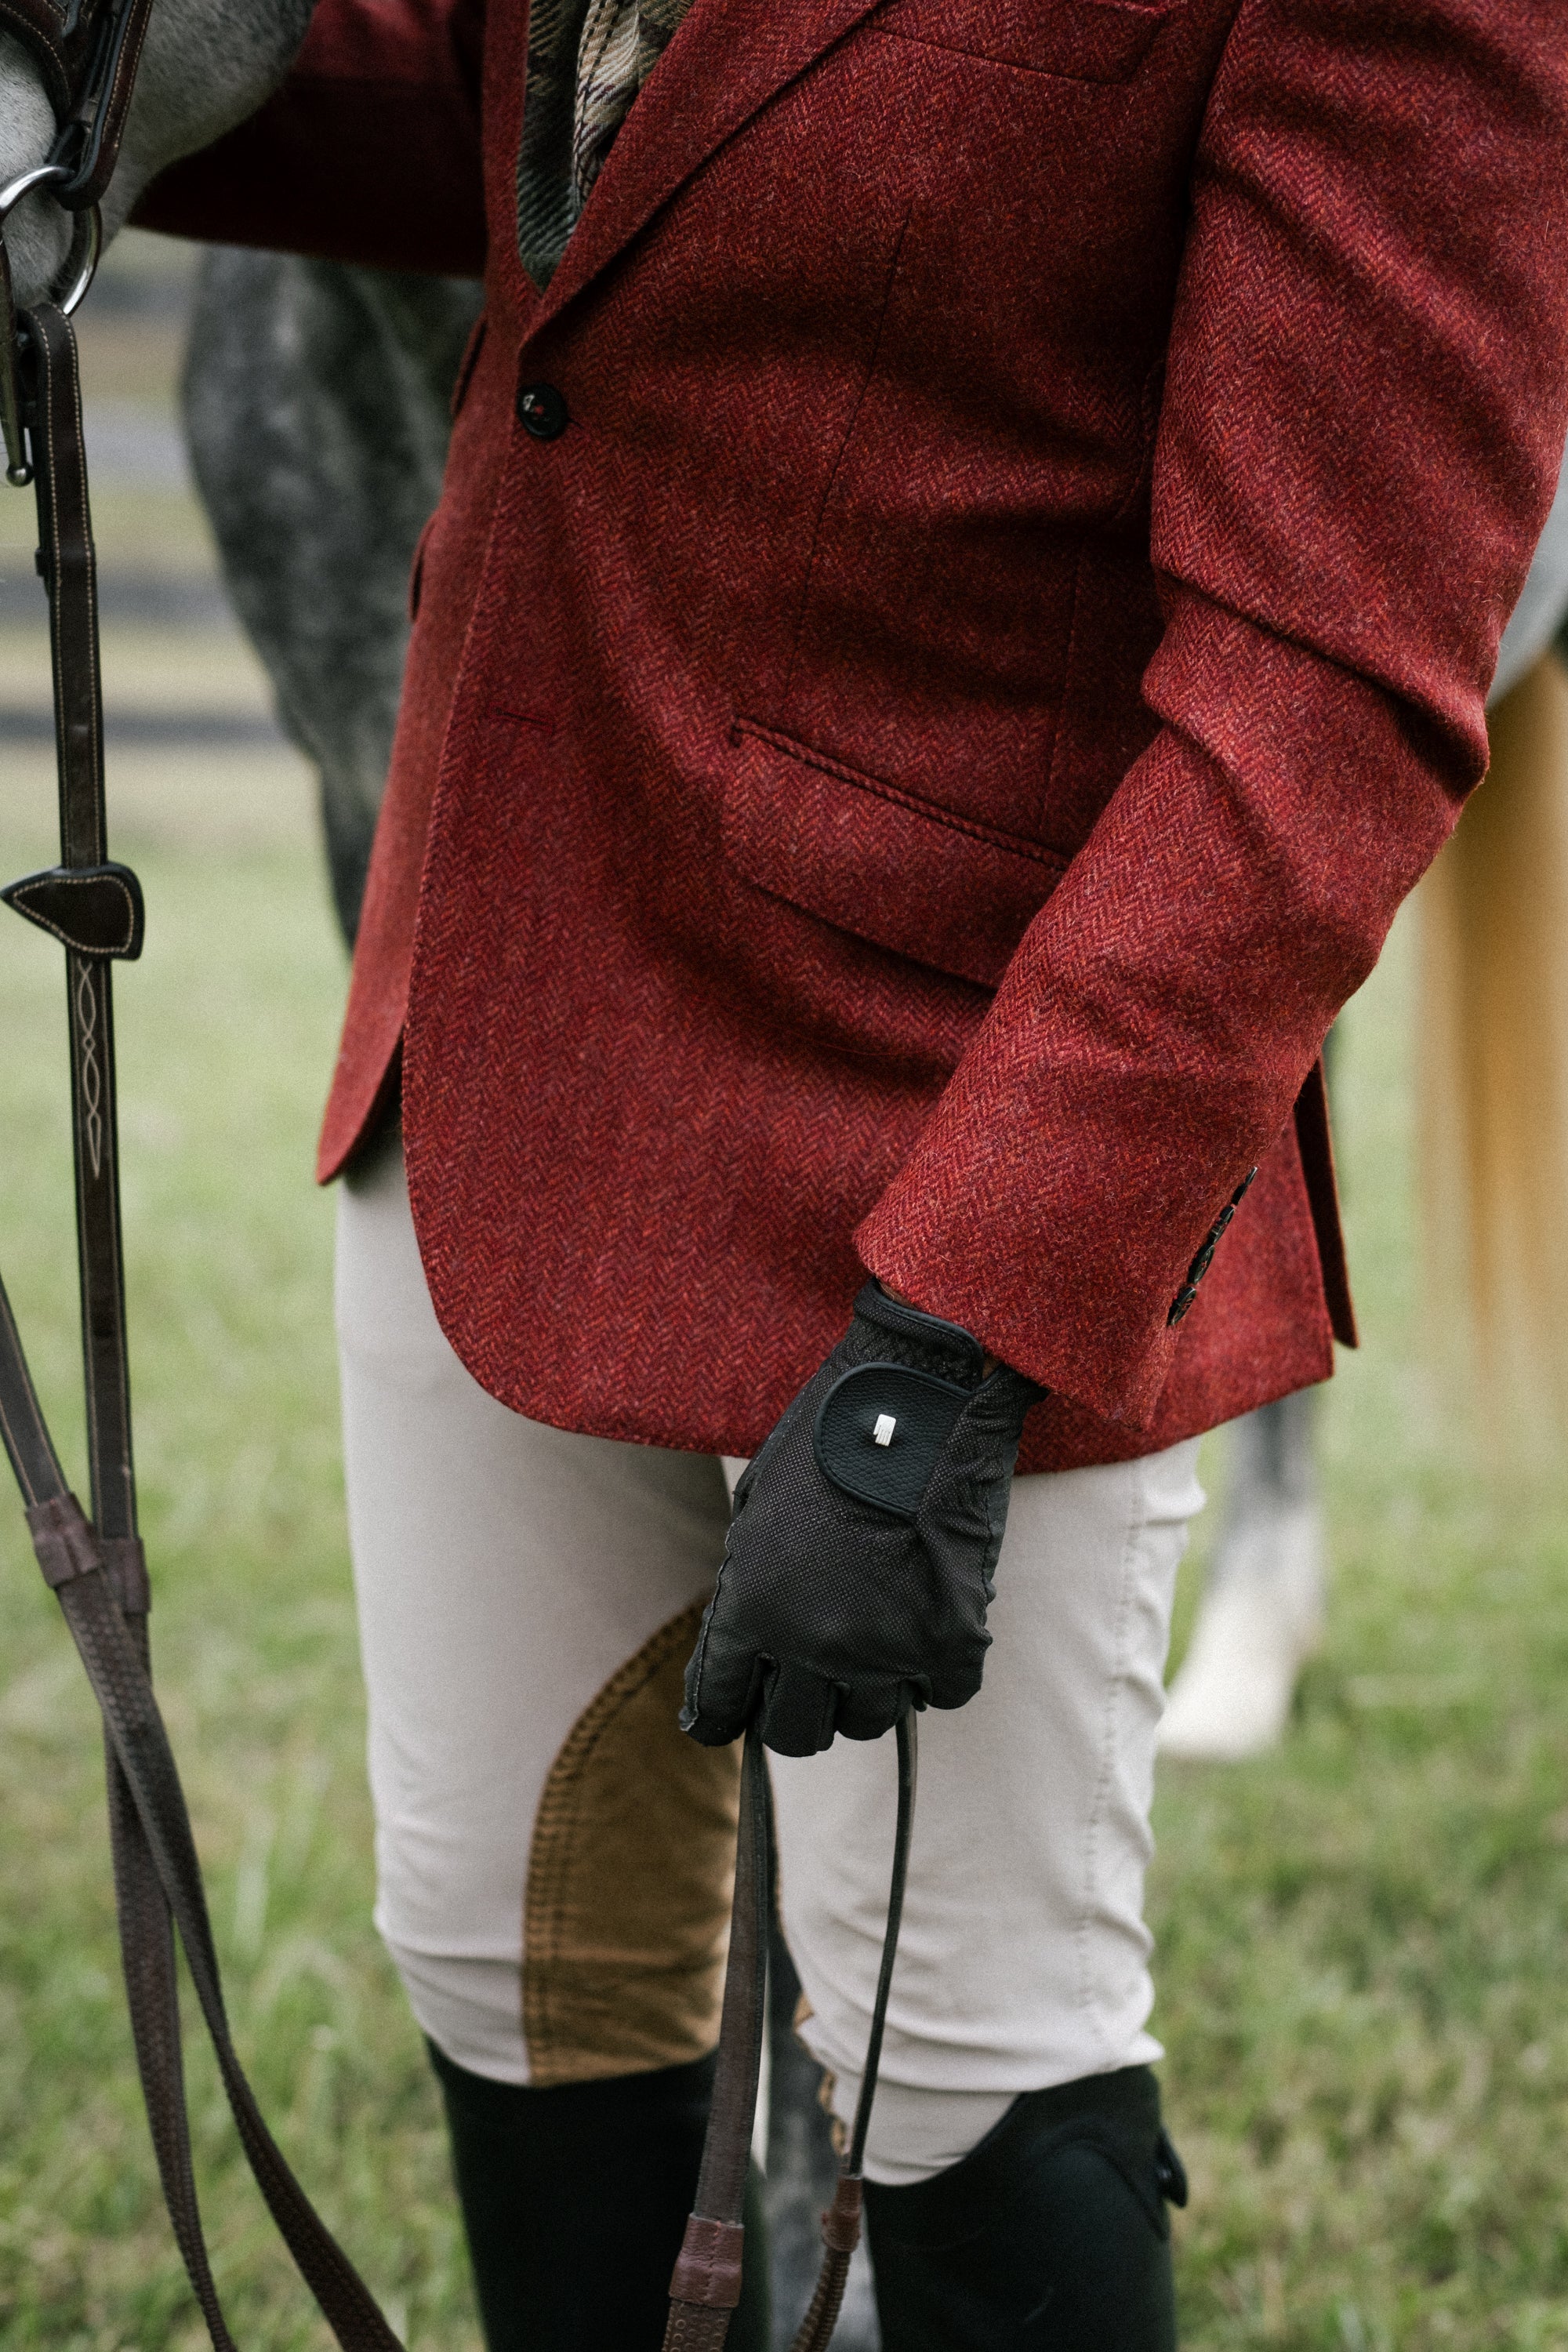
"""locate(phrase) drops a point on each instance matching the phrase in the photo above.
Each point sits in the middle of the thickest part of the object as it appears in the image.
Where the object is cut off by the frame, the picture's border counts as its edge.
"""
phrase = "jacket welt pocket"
(881, 862)
(1083, 40)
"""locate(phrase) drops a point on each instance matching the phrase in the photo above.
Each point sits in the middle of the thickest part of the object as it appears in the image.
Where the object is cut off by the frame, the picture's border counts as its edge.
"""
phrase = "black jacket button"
(542, 411)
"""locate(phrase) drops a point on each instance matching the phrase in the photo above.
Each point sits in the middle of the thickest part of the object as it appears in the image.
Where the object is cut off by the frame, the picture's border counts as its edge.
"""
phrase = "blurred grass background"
(1361, 1939)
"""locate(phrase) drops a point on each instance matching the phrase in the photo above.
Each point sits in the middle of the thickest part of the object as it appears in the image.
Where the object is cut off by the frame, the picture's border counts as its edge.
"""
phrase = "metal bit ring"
(86, 235)
(81, 261)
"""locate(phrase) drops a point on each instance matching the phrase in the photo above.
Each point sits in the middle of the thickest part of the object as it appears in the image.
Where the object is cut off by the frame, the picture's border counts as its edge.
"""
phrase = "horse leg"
(1262, 1610)
(315, 407)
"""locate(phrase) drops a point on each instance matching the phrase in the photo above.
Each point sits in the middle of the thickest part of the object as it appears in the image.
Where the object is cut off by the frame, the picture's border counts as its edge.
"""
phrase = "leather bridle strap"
(88, 52)
(96, 1568)
(706, 2286)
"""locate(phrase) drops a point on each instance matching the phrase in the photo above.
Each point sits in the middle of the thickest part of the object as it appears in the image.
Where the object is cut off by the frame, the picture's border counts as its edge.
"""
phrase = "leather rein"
(96, 1565)
(706, 2287)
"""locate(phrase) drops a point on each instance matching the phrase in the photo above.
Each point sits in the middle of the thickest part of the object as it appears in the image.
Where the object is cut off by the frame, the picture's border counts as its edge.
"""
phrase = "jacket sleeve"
(369, 153)
(1366, 403)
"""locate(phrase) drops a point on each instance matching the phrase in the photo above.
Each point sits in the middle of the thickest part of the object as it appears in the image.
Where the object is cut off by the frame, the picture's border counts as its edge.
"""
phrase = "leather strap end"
(707, 2267)
(126, 1563)
(63, 1539)
(841, 2222)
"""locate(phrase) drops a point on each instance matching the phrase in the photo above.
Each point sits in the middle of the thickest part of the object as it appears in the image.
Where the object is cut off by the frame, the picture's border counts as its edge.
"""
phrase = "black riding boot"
(1050, 2236)
(574, 2201)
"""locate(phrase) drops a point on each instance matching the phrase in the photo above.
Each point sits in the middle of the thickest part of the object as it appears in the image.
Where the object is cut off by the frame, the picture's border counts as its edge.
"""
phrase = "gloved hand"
(858, 1569)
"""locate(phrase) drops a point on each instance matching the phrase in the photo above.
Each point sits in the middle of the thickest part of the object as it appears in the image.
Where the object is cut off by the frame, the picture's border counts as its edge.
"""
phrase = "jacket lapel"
(726, 60)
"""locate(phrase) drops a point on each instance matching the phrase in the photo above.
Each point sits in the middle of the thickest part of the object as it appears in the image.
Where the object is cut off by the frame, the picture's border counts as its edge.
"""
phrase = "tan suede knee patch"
(626, 1911)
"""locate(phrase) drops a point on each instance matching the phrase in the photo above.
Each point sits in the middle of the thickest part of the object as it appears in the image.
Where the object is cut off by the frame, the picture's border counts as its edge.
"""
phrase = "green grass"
(1361, 1939)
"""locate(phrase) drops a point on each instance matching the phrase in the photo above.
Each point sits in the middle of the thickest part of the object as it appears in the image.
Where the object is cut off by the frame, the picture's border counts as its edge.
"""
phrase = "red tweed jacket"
(903, 761)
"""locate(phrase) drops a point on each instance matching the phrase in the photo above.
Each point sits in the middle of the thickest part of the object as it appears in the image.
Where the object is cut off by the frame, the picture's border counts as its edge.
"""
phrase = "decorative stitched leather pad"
(879, 1431)
(95, 909)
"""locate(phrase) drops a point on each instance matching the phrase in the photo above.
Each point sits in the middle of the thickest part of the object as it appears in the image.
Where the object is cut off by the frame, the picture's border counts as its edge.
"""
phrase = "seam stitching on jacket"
(837, 468)
(1060, 729)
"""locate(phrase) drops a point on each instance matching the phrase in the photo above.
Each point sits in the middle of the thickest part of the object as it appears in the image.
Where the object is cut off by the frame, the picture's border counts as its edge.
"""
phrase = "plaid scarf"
(587, 59)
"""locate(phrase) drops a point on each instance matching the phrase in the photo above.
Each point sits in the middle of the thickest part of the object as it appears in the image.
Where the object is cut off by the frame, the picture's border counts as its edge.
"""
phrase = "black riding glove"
(858, 1569)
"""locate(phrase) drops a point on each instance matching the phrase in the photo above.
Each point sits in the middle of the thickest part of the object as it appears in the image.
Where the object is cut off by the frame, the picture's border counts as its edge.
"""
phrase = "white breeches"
(552, 1852)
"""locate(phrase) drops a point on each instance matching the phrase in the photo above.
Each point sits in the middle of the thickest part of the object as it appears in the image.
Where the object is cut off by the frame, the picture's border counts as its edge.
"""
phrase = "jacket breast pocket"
(1082, 40)
(881, 862)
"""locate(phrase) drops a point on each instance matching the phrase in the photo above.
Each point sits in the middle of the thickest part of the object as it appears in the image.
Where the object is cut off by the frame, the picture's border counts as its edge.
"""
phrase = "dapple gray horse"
(316, 401)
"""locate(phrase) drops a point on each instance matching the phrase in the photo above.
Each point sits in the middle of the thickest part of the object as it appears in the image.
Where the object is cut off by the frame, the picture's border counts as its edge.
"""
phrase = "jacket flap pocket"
(878, 861)
(1086, 40)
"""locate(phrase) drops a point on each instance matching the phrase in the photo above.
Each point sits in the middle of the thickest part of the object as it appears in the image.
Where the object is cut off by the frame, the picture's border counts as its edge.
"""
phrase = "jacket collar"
(727, 59)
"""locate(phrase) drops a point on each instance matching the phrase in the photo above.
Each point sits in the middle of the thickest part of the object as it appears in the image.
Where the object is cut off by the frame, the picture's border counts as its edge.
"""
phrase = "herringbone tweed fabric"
(904, 778)
(587, 59)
